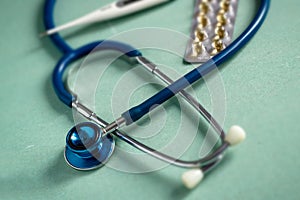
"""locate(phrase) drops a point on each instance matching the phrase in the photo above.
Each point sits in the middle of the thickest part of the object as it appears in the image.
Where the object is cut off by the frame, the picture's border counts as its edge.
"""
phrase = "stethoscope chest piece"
(86, 149)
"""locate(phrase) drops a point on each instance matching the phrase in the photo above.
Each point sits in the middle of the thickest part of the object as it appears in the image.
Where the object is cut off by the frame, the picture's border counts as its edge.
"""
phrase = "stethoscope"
(89, 145)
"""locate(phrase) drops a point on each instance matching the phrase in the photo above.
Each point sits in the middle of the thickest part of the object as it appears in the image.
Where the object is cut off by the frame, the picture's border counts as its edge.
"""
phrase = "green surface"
(262, 95)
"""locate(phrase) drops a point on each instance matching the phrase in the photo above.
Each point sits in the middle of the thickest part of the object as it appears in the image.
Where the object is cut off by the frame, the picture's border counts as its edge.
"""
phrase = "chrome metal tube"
(207, 162)
(189, 98)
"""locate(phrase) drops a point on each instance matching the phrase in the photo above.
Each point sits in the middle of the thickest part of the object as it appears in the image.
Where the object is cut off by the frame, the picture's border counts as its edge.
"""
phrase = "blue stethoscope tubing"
(137, 112)
(71, 55)
(140, 110)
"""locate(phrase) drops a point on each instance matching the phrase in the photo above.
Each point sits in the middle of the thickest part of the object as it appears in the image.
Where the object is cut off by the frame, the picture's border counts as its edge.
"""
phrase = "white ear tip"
(191, 178)
(235, 135)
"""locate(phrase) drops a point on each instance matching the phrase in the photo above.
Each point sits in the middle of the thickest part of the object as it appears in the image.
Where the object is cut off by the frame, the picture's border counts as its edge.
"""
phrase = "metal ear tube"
(89, 145)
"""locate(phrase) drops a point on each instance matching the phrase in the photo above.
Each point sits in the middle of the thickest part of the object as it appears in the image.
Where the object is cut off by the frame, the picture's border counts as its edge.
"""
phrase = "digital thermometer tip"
(43, 34)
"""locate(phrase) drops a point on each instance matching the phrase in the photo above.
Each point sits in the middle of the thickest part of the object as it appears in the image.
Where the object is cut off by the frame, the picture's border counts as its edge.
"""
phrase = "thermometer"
(110, 11)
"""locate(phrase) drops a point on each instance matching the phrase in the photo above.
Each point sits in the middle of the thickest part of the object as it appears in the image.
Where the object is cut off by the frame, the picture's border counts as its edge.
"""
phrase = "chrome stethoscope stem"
(209, 161)
(150, 66)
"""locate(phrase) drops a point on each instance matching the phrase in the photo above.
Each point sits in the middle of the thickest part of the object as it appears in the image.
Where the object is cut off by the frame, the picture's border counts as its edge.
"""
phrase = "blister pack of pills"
(212, 29)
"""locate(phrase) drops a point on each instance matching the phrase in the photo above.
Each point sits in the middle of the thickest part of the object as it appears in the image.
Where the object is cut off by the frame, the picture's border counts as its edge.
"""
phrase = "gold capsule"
(214, 52)
(221, 19)
(204, 8)
(197, 48)
(201, 14)
(218, 45)
(200, 35)
(219, 25)
(222, 12)
(220, 31)
(213, 31)
(225, 5)
(203, 21)
(216, 38)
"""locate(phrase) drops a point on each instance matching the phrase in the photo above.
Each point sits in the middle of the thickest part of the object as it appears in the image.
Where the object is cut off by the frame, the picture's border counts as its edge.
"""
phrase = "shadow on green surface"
(53, 100)
(59, 172)
(29, 181)
(45, 42)
(55, 54)
(181, 192)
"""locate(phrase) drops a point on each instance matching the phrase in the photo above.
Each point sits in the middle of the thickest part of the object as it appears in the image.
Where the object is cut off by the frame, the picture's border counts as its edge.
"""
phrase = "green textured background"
(262, 89)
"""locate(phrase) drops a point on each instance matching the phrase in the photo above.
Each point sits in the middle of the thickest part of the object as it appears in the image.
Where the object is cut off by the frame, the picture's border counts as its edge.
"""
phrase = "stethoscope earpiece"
(86, 149)
(88, 146)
